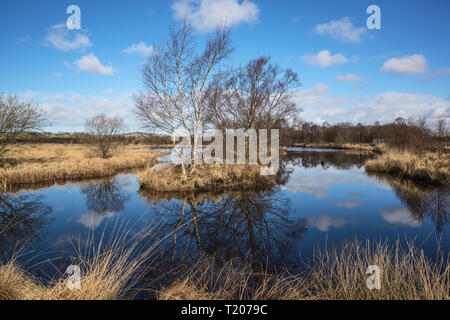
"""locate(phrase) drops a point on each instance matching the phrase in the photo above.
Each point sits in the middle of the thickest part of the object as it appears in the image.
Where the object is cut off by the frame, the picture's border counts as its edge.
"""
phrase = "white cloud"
(63, 39)
(400, 216)
(92, 220)
(406, 65)
(324, 222)
(435, 73)
(349, 204)
(343, 30)
(205, 15)
(349, 77)
(69, 111)
(140, 48)
(319, 106)
(91, 64)
(324, 59)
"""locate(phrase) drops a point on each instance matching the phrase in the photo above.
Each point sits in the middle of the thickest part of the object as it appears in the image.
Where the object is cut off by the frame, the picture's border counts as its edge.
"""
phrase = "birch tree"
(178, 82)
(255, 96)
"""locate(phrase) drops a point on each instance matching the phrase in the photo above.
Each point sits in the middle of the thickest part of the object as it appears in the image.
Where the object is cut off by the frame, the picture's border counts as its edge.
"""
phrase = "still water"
(322, 198)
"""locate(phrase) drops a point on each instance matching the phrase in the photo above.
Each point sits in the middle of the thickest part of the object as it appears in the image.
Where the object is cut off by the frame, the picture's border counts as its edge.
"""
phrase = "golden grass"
(333, 274)
(214, 177)
(110, 270)
(330, 145)
(426, 168)
(52, 162)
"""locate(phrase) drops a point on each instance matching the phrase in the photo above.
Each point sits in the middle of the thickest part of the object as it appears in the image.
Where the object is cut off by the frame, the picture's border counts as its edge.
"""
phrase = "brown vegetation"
(429, 167)
(344, 146)
(112, 271)
(54, 162)
(214, 177)
(333, 274)
(109, 270)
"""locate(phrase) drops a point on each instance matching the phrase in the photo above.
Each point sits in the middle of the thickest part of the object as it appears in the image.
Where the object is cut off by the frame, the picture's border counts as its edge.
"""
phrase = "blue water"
(323, 198)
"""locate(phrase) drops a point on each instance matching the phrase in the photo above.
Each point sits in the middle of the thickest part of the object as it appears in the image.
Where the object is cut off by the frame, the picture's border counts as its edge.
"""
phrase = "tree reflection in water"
(252, 227)
(23, 216)
(422, 201)
(105, 196)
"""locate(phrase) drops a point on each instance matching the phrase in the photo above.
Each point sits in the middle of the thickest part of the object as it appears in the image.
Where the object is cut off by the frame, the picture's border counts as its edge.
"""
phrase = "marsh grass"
(333, 274)
(428, 168)
(214, 177)
(111, 269)
(46, 163)
(339, 146)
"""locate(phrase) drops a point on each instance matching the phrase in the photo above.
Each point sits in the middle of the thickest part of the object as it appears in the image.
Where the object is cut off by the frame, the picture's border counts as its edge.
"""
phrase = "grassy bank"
(339, 146)
(40, 163)
(205, 178)
(427, 168)
(333, 274)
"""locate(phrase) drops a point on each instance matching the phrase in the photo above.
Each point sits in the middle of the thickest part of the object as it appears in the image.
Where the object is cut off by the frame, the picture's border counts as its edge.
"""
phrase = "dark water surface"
(322, 198)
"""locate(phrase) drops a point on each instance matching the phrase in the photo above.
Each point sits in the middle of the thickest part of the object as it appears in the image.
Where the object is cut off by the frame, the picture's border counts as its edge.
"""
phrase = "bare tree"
(16, 119)
(441, 132)
(102, 131)
(258, 95)
(177, 83)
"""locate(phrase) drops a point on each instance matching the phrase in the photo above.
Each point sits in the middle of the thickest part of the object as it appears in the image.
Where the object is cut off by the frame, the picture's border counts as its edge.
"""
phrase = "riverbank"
(206, 177)
(333, 274)
(46, 163)
(427, 168)
(338, 146)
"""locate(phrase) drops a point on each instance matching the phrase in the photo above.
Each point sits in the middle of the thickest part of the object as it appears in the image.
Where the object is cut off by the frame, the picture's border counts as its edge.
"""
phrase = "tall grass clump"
(110, 269)
(332, 274)
(427, 168)
(214, 177)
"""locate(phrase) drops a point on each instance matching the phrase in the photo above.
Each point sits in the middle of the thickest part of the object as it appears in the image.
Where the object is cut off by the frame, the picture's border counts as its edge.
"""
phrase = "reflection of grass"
(427, 168)
(205, 178)
(109, 270)
(51, 162)
(333, 274)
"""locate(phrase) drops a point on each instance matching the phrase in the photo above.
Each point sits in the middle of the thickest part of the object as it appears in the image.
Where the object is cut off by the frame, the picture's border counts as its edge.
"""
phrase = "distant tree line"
(409, 134)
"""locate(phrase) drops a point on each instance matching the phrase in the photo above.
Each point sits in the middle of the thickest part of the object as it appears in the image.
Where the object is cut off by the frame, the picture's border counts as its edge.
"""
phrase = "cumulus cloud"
(343, 30)
(140, 48)
(319, 106)
(205, 15)
(90, 63)
(92, 220)
(406, 65)
(349, 77)
(324, 59)
(325, 222)
(63, 39)
(69, 111)
(401, 216)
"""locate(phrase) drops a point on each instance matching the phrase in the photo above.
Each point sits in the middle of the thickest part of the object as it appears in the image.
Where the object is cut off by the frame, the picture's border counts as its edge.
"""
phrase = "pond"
(322, 199)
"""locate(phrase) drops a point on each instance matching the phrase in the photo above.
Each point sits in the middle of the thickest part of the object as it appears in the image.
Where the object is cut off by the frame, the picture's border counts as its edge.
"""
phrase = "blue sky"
(349, 73)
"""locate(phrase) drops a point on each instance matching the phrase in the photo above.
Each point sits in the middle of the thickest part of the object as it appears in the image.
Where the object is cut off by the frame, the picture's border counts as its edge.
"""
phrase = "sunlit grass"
(52, 162)
(333, 274)
(425, 168)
